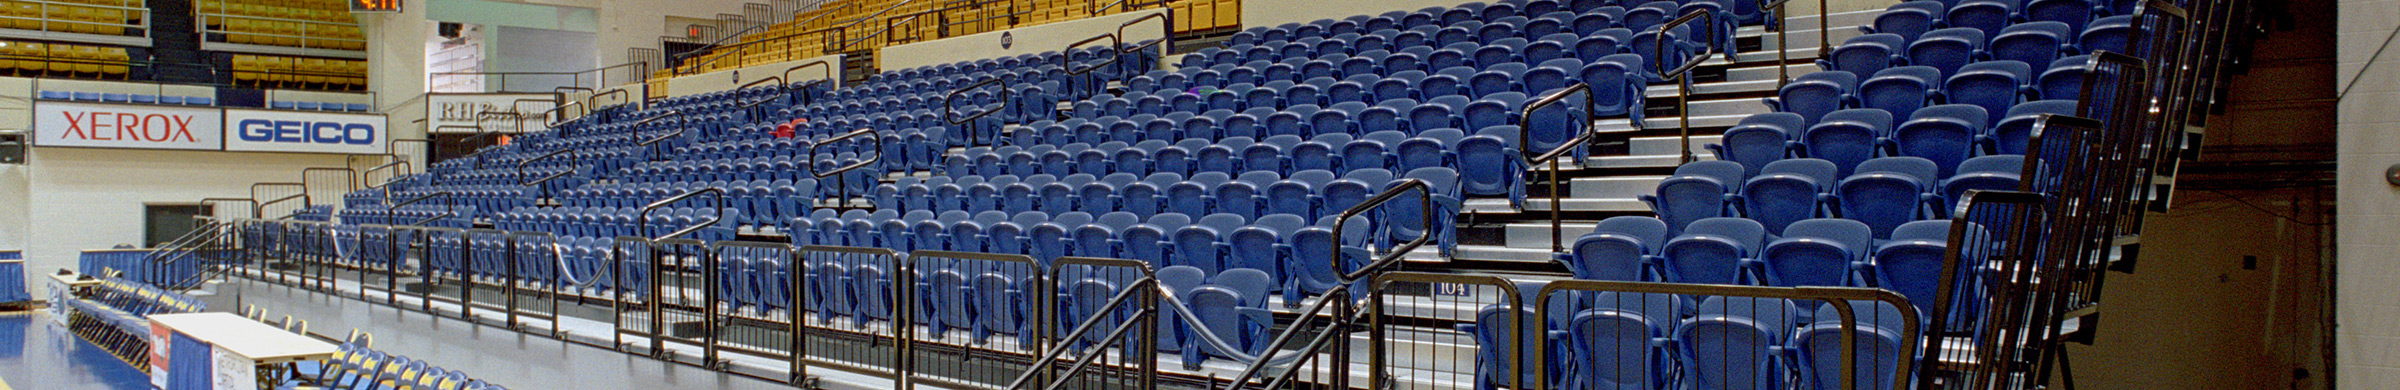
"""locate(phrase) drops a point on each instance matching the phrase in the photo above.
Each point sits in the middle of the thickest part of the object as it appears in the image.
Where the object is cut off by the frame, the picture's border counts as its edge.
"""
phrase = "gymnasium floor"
(35, 354)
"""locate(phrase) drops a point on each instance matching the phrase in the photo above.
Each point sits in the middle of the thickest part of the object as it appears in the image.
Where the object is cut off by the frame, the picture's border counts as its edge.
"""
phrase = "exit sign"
(374, 6)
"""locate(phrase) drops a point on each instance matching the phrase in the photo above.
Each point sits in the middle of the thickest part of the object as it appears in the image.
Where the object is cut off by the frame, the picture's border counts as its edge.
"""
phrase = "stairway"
(175, 45)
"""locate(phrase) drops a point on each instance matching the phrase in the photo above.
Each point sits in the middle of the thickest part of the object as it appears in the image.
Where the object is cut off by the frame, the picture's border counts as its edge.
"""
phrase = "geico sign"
(128, 126)
(261, 130)
(114, 126)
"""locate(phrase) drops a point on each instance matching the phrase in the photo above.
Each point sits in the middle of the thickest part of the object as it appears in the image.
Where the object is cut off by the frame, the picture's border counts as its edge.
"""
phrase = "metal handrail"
(1682, 74)
(211, 203)
(521, 181)
(644, 217)
(739, 34)
(1067, 56)
(808, 98)
(1839, 298)
(1337, 298)
(592, 101)
(351, 179)
(1525, 135)
(843, 185)
(777, 80)
(681, 127)
(1166, 36)
(262, 205)
(450, 208)
(950, 109)
(1115, 335)
(1425, 199)
(562, 114)
(878, 14)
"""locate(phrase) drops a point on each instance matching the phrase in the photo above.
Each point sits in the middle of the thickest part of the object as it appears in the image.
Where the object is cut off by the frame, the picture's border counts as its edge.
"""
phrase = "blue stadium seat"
(2012, 133)
(2033, 42)
(2001, 172)
(1848, 137)
(1901, 90)
(1736, 343)
(1988, 16)
(1947, 49)
(1490, 164)
(1788, 191)
(1945, 134)
(1911, 260)
(1760, 139)
(1815, 94)
(2064, 78)
(1602, 43)
(1719, 250)
(1994, 85)
(1908, 19)
(1623, 330)
(1867, 54)
(2111, 34)
(1818, 252)
(1876, 351)
(1698, 190)
(1623, 248)
(1887, 192)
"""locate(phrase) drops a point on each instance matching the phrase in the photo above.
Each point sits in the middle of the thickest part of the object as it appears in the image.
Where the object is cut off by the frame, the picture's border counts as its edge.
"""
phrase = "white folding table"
(248, 342)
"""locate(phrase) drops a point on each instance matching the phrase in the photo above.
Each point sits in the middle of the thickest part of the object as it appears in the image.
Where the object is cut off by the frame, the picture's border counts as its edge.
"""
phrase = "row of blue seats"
(1885, 193)
(1947, 135)
(138, 98)
(762, 203)
(320, 106)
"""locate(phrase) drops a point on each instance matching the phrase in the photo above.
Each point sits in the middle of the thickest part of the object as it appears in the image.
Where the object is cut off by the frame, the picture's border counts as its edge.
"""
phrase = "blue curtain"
(12, 281)
(188, 364)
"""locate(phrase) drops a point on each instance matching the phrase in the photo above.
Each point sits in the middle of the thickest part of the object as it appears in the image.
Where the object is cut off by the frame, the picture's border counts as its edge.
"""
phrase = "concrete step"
(1536, 235)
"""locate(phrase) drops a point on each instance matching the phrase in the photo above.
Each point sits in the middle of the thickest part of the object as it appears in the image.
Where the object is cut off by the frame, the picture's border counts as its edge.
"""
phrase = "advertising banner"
(98, 125)
(457, 113)
(304, 132)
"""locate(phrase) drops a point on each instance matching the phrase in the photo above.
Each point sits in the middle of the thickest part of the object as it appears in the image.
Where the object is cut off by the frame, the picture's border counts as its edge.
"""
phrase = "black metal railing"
(1582, 135)
(299, 193)
(718, 206)
(529, 181)
(1091, 82)
(842, 185)
(1396, 253)
(1681, 75)
(965, 124)
(449, 208)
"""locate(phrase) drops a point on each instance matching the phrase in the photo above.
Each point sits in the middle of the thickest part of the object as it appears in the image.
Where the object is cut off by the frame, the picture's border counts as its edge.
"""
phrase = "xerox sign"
(305, 132)
(127, 126)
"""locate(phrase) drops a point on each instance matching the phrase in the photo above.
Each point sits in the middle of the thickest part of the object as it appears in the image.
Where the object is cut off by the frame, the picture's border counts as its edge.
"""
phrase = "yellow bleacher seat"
(117, 62)
(25, 15)
(87, 60)
(245, 69)
(33, 50)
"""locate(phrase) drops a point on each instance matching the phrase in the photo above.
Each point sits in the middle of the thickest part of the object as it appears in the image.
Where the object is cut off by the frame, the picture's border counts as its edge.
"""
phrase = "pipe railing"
(680, 128)
(842, 185)
(1583, 136)
(523, 180)
(302, 196)
(1681, 75)
(777, 80)
(950, 110)
(644, 216)
(1425, 203)
(1066, 60)
(1343, 315)
(449, 209)
(1143, 294)
(808, 98)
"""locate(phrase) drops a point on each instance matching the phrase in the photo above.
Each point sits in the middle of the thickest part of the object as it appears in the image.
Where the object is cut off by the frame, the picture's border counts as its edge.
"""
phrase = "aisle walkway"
(492, 354)
(35, 354)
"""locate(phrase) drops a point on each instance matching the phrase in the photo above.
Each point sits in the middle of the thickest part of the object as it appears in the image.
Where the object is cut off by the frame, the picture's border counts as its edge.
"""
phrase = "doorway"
(166, 222)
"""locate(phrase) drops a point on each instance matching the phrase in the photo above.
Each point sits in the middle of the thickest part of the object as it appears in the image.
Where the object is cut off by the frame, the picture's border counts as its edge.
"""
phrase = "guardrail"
(1681, 75)
(1397, 253)
(449, 209)
(1583, 135)
(950, 110)
(843, 184)
(1090, 82)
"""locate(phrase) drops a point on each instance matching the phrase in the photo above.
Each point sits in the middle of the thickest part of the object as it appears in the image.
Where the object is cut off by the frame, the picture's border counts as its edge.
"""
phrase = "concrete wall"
(81, 199)
(2367, 296)
(733, 78)
(1027, 40)
(396, 42)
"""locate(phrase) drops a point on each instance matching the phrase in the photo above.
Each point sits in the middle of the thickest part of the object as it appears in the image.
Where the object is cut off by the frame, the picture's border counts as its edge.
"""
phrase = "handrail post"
(843, 184)
(1425, 202)
(807, 98)
(1681, 75)
(1166, 36)
(1066, 59)
(1582, 135)
(1783, 48)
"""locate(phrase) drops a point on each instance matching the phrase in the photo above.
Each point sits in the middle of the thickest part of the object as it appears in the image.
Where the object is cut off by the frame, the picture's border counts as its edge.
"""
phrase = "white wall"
(2367, 292)
(733, 78)
(92, 198)
(1027, 40)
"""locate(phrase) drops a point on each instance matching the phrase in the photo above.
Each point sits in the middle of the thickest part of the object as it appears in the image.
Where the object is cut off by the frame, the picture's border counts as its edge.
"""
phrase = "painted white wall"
(2367, 210)
(1026, 40)
(732, 78)
(81, 199)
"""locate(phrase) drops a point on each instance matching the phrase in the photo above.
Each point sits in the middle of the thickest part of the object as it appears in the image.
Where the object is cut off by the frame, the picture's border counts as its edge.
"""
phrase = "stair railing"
(558, 116)
(843, 184)
(680, 127)
(808, 98)
(950, 110)
(449, 208)
(1166, 35)
(1338, 308)
(1091, 82)
(1136, 310)
(623, 97)
(644, 216)
(527, 181)
(301, 196)
(1397, 253)
(1681, 75)
(1583, 135)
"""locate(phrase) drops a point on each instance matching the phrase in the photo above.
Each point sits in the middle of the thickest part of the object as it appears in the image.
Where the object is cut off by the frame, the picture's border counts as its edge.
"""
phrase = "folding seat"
(1995, 172)
(1498, 109)
(1616, 86)
(1055, 238)
(1490, 163)
(1818, 252)
(2110, 34)
(1432, 148)
(1760, 139)
(1242, 196)
(1815, 94)
(1406, 218)
(2033, 42)
(1651, 14)
(1990, 16)
(1788, 191)
(1622, 341)
(2064, 78)
(1911, 261)
(1337, 120)
(1848, 137)
(2014, 133)
(1887, 192)
(1909, 19)
(1192, 196)
(1901, 90)
(1372, 151)
(1433, 115)
(1722, 38)
(1867, 54)
(1498, 353)
(1948, 49)
(1262, 245)
(1224, 311)
(1269, 155)
(1737, 343)
(1717, 250)
(1945, 134)
(1994, 85)
(1623, 248)
(1224, 156)
(1877, 331)
(1698, 190)
(1547, 79)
